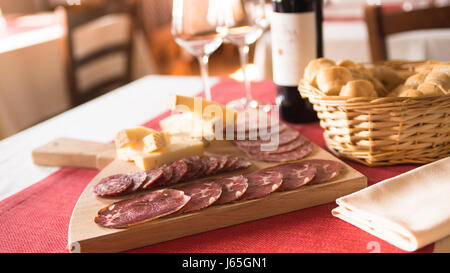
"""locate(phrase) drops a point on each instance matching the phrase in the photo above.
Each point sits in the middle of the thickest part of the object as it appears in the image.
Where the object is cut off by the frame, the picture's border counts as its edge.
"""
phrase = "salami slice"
(153, 176)
(213, 164)
(247, 121)
(167, 174)
(285, 137)
(326, 169)
(180, 168)
(198, 167)
(139, 179)
(232, 160)
(279, 148)
(297, 154)
(262, 134)
(202, 195)
(203, 167)
(262, 183)
(267, 134)
(192, 165)
(222, 163)
(295, 175)
(232, 188)
(113, 185)
(241, 164)
(142, 209)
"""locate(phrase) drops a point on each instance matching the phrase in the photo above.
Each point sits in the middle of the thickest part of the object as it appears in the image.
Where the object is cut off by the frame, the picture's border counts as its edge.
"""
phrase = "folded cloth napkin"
(409, 211)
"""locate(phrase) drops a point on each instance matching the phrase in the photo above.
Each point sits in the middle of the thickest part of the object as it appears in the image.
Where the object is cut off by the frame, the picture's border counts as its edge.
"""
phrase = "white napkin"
(409, 211)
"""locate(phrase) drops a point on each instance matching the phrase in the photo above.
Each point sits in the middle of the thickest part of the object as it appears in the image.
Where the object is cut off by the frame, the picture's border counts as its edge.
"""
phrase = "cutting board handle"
(69, 152)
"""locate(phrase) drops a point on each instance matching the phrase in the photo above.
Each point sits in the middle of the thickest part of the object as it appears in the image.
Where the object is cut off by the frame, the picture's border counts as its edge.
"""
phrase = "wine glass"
(195, 26)
(245, 22)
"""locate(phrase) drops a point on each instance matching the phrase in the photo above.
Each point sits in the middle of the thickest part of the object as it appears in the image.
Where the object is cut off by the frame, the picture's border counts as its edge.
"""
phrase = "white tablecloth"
(349, 40)
(97, 120)
(32, 78)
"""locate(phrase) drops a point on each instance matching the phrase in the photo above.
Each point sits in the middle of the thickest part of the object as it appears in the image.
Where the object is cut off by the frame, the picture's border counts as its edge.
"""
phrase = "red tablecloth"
(37, 218)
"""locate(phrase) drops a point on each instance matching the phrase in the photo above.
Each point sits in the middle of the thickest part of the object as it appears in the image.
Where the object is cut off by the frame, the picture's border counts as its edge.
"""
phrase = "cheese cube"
(131, 136)
(126, 153)
(155, 140)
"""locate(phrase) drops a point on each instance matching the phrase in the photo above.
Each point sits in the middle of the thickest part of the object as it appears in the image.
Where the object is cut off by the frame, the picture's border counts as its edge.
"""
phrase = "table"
(33, 82)
(306, 230)
(348, 39)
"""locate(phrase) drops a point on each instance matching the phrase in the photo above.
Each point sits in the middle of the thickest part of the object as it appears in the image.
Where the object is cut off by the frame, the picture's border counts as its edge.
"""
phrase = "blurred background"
(57, 54)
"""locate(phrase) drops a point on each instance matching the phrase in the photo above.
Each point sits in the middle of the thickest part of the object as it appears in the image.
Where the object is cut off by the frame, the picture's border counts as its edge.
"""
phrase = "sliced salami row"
(174, 201)
(287, 145)
(196, 196)
(182, 170)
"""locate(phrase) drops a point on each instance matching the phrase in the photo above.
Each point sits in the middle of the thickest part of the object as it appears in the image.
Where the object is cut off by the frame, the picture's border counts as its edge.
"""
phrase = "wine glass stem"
(203, 60)
(243, 54)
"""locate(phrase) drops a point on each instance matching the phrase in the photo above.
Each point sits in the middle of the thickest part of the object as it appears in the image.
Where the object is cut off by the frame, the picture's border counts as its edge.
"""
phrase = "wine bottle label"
(293, 45)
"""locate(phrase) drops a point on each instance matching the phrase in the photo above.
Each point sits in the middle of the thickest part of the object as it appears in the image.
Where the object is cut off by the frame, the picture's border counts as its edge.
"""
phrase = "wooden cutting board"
(70, 152)
(86, 236)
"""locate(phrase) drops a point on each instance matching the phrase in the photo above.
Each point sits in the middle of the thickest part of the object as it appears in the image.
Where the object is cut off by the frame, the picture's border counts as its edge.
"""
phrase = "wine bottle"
(296, 27)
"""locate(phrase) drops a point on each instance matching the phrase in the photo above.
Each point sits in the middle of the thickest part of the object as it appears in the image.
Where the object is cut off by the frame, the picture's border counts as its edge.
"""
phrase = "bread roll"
(347, 63)
(415, 80)
(426, 67)
(359, 72)
(387, 76)
(439, 78)
(441, 68)
(313, 68)
(331, 79)
(358, 88)
(396, 91)
(411, 93)
(431, 89)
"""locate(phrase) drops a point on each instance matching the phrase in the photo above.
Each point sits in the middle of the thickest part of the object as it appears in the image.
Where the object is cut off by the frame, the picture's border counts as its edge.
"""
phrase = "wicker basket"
(387, 130)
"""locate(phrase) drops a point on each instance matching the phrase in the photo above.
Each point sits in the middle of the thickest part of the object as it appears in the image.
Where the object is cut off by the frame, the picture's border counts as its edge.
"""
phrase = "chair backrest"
(157, 28)
(155, 14)
(78, 16)
(380, 24)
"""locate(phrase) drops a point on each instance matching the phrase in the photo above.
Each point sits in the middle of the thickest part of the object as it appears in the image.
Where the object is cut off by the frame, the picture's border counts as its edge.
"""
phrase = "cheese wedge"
(131, 136)
(177, 149)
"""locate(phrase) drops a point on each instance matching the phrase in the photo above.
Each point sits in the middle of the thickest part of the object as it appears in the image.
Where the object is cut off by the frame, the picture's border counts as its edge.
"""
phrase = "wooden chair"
(380, 24)
(80, 15)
